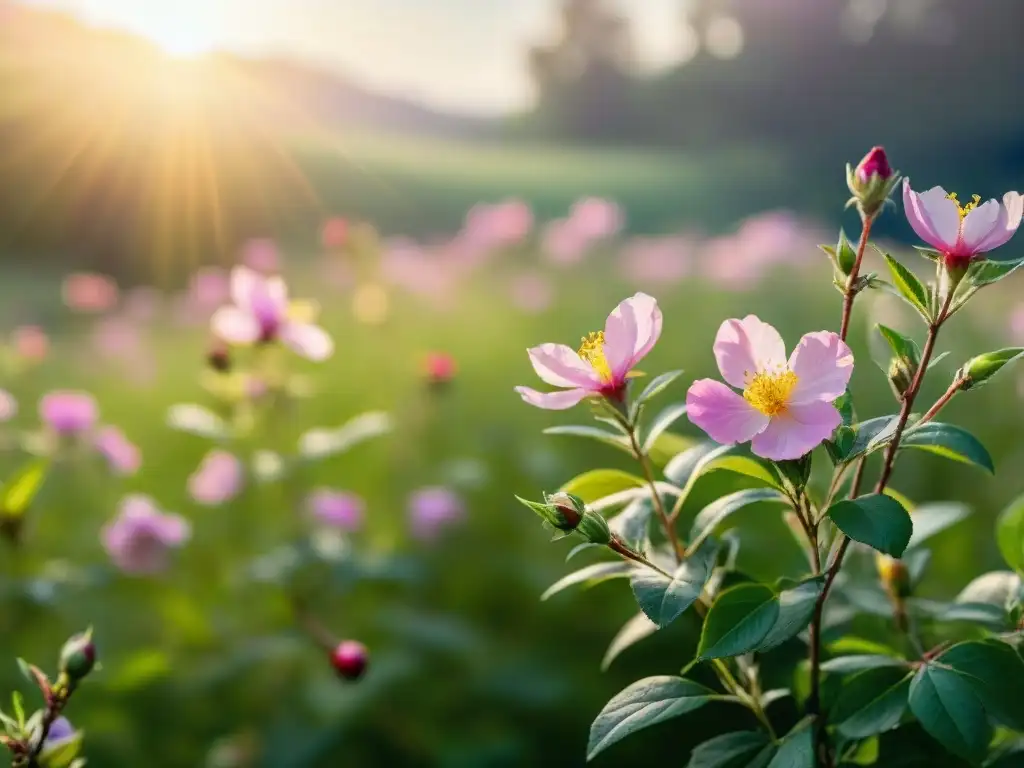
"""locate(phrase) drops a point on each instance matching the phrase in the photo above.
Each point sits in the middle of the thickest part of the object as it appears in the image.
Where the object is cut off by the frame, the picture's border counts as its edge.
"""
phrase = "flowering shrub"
(952, 669)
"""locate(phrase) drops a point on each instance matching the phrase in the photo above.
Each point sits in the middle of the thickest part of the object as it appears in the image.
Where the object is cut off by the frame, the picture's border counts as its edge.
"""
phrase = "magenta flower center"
(770, 392)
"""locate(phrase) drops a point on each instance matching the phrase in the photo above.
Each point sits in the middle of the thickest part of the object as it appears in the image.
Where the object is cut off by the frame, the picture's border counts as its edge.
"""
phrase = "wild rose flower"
(596, 219)
(261, 313)
(602, 366)
(563, 244)
(8, 406)
(334, 233)
(88, 292)
(336, 509)
(69, 413)
(961, 232)
(432, 509)
(121, 454)
(140, 539)
(218, 479)
(786, 407)
(30, 342)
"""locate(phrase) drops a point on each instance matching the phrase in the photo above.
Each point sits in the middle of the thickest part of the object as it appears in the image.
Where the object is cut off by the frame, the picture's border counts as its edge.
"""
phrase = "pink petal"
(244, 284)
(235, 326)
(939, 214)
(552, 401)
(979, 223)
(745, 347)
(559, 366)
(723, 414)
(1006, 224)
(620, 338)
(648, 322)
(797, 432)
(310, 341)
(913, 210)
(823, 365)
(173, 529)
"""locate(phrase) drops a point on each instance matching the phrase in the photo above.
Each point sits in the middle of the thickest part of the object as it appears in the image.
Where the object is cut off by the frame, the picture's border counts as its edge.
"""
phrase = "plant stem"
(851, 290)
(942, 402)
(659, 505)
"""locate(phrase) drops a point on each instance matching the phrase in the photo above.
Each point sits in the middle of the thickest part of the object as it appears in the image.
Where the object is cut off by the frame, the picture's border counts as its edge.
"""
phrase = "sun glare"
(182, 38)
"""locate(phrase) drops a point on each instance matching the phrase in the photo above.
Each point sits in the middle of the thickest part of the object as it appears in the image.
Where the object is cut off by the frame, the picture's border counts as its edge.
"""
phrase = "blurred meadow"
(693, 150)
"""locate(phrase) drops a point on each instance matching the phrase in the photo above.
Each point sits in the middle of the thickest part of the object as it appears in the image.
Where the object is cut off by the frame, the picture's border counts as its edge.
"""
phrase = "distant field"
(419, 185)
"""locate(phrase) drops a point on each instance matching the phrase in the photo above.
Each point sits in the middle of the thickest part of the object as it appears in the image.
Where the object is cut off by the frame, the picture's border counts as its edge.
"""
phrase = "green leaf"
(1010, 534)
(871, 435)
(796, 750)
(930, 519)
(844, 665)
(668, 445)
(598, 483)
(684, 468)
(796, 607)
(871, 702)
(739, 620)
(663, 598)
(948, 441)
(656, 386)
(948, 709)
(18, 708)
(908, 286)
(632, 632)
(665, 419)
(902, 346)
(715, 513)
(592, 433)
(645, 703)
(996, 672)
(61, 754)
(631, 524)
(877, 520)
(19, 492)
(591, 575)
(747, 466)
(991, 270)
(730, 750)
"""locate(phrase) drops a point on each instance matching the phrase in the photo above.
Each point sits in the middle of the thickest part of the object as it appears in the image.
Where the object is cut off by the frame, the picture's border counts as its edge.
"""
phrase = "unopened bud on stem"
(78, 656)
(871, 182)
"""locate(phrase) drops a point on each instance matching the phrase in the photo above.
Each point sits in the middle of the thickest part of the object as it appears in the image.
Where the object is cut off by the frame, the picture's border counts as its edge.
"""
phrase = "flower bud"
(901, 375)
(894, 575)
(219, 358)
(439, 369)
(349, 659)
(980, 369)
(78, 656)
(567, 510)
(871, 182)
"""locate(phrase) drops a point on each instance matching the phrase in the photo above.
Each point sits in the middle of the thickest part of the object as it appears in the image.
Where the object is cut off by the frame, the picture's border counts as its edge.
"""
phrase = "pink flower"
(334, 233)
(596, 219)
(261, 314)
(961, 232)
(209, 288)
(786, 407)
(337, 509)
(217, 480)
(602, 365)
(432, 509)
(875, 163)
(8, 406)
(531, 292)
(262, 255)
(140, 539)
(563, 244)
(30, 343)
(87, 292)
(439, 368)
(121, 454)
(69, 413)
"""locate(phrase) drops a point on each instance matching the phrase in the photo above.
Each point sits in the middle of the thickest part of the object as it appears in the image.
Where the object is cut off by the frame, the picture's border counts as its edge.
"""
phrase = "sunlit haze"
(464, 55)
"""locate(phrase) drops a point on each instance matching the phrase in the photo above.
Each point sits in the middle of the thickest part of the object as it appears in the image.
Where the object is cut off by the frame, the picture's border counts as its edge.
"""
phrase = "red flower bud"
(874, 162)
(439, 368)
(349, 659)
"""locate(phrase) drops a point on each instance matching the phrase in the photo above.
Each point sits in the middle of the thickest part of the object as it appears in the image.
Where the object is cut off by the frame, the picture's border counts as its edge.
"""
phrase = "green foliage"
(877, 520)
(599, 483)
(950, 442)
(664, 597)
(1010, 534)
(742, 749)
(946, 705)
(739, 621)
(908, 287)
(872, 701)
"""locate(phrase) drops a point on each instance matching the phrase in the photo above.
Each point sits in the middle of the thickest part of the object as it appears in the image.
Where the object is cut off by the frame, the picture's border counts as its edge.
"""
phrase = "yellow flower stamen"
(965, 209)
(592, 350)
(769, 392)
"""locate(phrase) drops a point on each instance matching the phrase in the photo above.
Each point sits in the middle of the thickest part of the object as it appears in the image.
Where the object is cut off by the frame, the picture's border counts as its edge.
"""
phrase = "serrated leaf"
(730, 750)
(656, 386)
(950, 442)
(591, 575)
(599, 483)
(643, 704)
(871, 702)
(632, 632)
(662, 598)
(796, 607)
(877, 520)
(739, 620)
(908, 286)
(930, 519)
(714, 514)
(660, 424)
(631, 524)
(949, 710)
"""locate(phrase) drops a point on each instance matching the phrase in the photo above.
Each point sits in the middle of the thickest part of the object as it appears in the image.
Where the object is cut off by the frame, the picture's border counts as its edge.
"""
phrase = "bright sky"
(466, 55)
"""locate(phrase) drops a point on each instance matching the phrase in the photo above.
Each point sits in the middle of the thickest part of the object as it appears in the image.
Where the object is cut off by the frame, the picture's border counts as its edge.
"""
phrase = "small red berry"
(349, 659)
